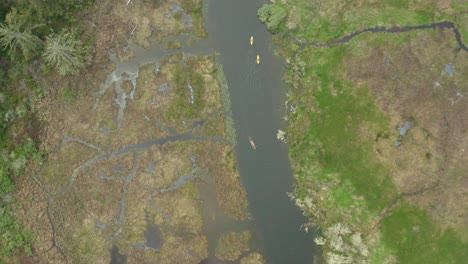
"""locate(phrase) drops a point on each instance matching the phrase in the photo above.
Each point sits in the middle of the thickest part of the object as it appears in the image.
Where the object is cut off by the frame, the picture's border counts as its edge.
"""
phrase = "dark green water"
(257, 99)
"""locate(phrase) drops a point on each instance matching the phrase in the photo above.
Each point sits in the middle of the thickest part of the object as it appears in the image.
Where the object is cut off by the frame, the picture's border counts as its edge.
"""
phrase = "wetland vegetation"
(105, 160)
(378, 197)
(108, 152)
(24, 29)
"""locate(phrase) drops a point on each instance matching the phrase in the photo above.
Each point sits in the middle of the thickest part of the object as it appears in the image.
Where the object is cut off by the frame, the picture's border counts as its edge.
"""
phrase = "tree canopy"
(65, 52)
(272, 15)
(16, 36)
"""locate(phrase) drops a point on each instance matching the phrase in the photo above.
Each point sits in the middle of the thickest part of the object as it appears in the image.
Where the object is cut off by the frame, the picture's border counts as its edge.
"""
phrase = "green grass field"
(415, 239)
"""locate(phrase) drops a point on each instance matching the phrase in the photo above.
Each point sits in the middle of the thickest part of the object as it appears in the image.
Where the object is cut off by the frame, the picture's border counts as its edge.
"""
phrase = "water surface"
(256, 97)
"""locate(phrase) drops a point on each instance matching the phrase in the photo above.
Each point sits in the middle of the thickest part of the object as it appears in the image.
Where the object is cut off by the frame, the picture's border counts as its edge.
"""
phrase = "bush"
(272, 15)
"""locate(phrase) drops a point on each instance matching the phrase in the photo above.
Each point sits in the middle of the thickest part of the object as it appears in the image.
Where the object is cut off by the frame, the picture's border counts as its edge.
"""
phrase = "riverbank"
(375, 132)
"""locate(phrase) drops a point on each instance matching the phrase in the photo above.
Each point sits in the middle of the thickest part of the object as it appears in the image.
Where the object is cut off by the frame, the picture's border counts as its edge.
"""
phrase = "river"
(257, 98)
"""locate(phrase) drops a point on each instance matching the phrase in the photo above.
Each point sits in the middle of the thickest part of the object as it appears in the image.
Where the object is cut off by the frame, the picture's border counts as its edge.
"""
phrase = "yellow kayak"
(251, 40)
(258, 59)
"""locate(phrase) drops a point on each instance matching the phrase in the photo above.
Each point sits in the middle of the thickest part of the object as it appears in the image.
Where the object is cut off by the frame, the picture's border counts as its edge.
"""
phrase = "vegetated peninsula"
(115, 143)
(378, 132)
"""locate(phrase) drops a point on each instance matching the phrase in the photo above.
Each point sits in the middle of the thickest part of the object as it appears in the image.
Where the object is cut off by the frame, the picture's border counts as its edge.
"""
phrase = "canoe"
(251, 40)
(258, 59)
(252, 143)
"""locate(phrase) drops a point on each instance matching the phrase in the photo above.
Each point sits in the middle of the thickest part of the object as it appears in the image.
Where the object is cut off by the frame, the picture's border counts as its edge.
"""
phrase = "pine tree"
(65, 52)
(43, 9)
(16, 36)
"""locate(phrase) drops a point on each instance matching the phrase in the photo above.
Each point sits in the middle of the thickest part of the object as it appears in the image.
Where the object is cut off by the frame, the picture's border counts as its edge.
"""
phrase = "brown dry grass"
(220, 163)
(111, 23)
(89, 199)
(231, 245)
(403, 77)
(86, 212)
(253, 258)
(183, 251)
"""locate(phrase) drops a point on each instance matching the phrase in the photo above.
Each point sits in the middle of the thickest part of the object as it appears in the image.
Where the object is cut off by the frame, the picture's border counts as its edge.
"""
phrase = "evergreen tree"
(65, 52)
(16, 36)
(51, 8)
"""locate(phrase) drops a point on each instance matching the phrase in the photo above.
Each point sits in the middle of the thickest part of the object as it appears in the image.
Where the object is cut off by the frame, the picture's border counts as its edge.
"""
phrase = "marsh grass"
(231, 245)
(253, 258)
(173, 45)
(226, 103)
(183, 76)
(417, 240)
(463, 20)
(195, 9)
(334, 132)
(337, 127)
(332, 19)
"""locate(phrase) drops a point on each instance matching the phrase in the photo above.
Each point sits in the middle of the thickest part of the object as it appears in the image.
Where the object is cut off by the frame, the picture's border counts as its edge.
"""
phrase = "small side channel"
(116, 257)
